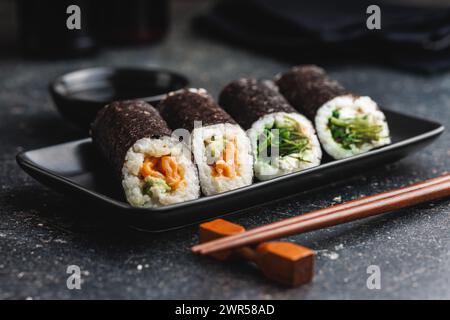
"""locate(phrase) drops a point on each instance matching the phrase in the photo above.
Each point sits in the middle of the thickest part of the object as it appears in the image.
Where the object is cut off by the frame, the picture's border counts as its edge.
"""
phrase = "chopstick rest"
(283, 262)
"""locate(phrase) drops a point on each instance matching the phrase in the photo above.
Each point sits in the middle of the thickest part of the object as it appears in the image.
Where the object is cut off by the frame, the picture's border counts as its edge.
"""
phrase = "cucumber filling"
(214, 147)
(154, 185)
(353, 132)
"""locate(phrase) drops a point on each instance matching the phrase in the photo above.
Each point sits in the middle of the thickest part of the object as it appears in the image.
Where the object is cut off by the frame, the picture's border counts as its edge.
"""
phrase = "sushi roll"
(221, 148)
(154, 168)
(283, 140)
(346, 124)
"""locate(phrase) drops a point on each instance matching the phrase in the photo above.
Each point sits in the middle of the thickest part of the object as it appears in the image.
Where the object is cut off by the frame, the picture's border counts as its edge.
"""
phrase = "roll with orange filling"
(221, 148)
(154, 168)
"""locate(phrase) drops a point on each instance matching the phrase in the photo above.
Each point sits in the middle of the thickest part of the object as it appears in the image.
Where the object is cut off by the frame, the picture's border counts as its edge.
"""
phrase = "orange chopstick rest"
(216, 229)
(284, 262)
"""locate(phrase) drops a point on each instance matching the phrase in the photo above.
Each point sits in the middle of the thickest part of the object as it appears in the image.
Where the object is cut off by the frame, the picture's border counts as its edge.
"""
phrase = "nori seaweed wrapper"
(120, 124)
(308, 87)
(180, 109)
(248, 99)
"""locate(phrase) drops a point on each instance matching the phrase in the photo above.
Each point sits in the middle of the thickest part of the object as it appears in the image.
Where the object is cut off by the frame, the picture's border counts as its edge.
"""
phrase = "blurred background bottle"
(38, 27)
(133, 21)
(8, 26)
(43, 31)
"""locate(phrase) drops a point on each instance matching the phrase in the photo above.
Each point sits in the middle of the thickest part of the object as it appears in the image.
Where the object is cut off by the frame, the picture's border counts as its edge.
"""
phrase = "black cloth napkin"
(312, 31)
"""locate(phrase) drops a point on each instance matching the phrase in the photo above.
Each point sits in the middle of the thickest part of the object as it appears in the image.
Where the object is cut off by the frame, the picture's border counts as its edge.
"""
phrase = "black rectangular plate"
(75, 168)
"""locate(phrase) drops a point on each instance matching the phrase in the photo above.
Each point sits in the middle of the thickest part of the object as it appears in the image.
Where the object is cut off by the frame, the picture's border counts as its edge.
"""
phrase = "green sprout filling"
(286, 137)
(353, 131)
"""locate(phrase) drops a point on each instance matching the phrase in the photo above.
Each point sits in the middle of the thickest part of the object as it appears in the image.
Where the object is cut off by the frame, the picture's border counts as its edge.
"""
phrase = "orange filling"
(165, 168)
(227, 165)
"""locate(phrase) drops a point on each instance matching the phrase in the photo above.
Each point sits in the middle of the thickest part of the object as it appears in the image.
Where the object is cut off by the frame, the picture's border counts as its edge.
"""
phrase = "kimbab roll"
(221, 148)
(346, 124)
(283, 141)
(155, 169)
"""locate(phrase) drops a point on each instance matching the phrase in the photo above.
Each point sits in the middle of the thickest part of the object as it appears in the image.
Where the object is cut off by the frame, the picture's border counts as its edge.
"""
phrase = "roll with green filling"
(346, 124)
(283, 141)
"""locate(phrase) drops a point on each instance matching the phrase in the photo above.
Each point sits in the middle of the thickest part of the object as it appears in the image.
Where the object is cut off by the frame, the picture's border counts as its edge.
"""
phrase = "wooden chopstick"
(380, 203)
(324, 211)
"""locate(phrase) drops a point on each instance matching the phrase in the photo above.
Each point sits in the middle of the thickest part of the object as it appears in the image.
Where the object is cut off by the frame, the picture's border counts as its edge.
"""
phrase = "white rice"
(133, 184)
(278, 166)
(350, 106)
(204, 159)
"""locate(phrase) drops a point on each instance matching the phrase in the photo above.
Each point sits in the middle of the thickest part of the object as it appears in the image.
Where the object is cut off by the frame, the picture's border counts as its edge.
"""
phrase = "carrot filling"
(163, 172)
(227, 164)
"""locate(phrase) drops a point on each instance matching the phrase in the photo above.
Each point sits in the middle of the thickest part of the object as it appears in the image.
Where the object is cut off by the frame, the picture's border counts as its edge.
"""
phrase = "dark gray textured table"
(41, 231)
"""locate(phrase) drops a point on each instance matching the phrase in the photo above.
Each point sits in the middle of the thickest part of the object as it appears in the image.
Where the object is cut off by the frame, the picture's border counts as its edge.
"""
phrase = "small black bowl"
(80, 94)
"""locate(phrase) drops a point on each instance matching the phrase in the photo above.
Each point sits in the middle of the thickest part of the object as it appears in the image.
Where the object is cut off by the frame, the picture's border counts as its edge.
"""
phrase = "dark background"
(42, 232)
